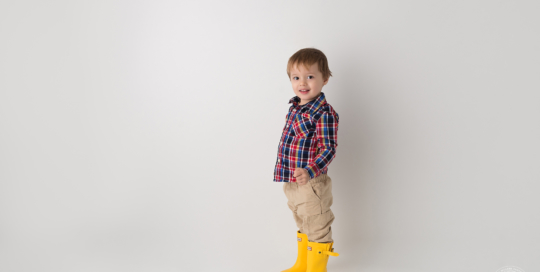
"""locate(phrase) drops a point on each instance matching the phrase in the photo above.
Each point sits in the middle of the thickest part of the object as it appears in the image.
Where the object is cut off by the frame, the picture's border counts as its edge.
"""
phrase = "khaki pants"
(310, 204)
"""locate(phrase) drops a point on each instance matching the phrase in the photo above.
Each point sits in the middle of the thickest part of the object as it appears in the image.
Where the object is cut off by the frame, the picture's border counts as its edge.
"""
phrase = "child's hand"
(301, 175)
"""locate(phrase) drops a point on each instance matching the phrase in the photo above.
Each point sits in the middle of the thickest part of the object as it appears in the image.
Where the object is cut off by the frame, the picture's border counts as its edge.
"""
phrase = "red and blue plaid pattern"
(309, 139)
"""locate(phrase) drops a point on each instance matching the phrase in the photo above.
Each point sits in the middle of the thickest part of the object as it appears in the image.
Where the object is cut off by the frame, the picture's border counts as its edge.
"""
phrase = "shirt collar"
(310, 106)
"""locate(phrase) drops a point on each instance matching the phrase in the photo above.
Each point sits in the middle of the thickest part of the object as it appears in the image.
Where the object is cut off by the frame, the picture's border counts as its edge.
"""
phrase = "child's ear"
(326, 81)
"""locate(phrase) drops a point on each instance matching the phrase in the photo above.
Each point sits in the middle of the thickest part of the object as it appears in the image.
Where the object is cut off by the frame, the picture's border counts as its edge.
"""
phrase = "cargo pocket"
(318, 227)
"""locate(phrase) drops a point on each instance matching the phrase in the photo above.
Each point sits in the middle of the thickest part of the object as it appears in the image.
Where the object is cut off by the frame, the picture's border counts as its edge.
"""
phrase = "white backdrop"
(142, 135)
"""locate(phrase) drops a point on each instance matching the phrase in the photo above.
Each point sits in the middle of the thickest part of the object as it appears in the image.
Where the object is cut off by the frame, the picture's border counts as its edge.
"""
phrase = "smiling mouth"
(304, 91)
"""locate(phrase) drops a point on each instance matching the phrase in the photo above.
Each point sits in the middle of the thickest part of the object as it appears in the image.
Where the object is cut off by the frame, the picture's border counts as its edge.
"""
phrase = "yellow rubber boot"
(301, 260)
(318, 254)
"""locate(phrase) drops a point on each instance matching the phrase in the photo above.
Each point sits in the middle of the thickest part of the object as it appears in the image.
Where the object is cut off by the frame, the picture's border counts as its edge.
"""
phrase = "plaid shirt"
(309, 139)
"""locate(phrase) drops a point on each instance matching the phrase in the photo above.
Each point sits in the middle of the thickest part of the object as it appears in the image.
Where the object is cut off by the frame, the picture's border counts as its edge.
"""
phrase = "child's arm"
(326, 128)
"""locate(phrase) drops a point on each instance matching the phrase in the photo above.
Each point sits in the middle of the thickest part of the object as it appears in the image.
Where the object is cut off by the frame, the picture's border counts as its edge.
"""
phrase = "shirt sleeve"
(326, 128)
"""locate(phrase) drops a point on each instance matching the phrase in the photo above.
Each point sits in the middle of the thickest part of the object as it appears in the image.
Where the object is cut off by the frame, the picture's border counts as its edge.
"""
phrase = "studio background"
(142, 135)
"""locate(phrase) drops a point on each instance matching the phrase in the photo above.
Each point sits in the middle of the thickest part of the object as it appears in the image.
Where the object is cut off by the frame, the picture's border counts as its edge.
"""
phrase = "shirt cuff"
(313, 170)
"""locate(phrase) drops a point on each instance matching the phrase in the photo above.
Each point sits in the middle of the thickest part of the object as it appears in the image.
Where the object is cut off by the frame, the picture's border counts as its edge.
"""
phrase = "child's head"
(307, 57)
(308, 70)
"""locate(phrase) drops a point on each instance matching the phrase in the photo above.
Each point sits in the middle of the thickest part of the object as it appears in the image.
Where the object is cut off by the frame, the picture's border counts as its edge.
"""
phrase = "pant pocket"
(308, 202)
(323, 190)
(313, 187)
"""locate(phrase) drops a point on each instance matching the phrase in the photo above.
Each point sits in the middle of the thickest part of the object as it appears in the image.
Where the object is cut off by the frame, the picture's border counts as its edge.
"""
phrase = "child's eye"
(297, 77)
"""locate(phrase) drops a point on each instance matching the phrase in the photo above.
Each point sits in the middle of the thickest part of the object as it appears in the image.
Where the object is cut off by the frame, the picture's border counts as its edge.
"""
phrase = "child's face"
(310, 80)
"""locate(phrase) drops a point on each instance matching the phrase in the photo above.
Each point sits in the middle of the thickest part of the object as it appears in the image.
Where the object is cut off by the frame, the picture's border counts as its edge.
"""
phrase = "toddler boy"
(307, 146)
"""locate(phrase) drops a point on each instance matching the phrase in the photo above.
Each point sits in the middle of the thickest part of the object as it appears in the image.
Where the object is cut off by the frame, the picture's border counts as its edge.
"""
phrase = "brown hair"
(308, 57)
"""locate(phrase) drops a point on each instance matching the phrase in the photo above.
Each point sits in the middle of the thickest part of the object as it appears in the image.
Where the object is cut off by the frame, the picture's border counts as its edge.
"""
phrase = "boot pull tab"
(331, 253)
